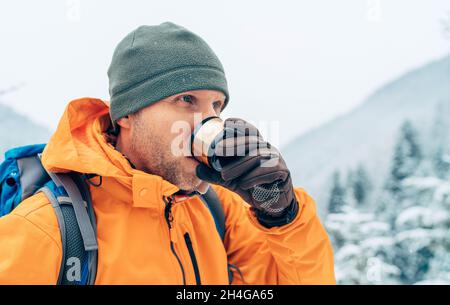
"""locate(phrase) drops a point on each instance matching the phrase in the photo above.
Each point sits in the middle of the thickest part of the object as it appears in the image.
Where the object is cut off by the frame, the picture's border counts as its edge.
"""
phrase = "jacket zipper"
(168, 216)
(187, 238)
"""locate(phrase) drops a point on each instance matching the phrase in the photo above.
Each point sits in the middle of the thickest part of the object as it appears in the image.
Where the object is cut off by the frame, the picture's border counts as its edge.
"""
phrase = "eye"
(187, 98)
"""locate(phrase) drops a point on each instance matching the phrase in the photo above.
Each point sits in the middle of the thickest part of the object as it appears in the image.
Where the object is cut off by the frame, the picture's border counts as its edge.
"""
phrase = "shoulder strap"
(83, 188)
(212, 201)
(80, 208)
(76, 218)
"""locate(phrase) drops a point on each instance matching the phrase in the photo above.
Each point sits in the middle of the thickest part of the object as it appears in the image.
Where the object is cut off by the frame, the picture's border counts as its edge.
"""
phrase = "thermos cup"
(204, 139)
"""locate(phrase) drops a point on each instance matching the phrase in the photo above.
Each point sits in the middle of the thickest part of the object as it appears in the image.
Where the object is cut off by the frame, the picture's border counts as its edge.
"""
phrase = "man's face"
(154, 134)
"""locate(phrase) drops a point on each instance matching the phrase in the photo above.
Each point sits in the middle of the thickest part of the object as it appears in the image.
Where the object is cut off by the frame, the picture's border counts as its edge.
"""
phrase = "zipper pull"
(169, 218)
(168, 210)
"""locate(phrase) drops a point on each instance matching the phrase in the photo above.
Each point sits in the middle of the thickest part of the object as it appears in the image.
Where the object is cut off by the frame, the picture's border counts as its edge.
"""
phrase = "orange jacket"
(133, 235)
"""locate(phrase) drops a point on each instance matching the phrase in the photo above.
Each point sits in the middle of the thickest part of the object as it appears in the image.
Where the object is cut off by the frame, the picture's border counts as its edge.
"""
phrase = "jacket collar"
(150, 189)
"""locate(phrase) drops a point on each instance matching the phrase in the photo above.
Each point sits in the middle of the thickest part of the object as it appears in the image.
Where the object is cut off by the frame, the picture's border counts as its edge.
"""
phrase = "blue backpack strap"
(72, 203)
(212, 201)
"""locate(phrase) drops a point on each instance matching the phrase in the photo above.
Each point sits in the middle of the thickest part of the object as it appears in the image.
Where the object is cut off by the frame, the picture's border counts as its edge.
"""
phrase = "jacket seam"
(40, 229)
(31, 211)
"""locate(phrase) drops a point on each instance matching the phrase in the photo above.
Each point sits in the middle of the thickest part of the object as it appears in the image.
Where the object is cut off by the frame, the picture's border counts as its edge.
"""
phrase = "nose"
(208, 110)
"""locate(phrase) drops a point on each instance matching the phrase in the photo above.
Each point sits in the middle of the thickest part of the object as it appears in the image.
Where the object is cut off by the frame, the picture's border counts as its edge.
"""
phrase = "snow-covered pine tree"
(361, 185)
(407, 157)
(417, 208)
(406, 160)
(440, 136)
(362, 244)
(337, 196)
(422, 229)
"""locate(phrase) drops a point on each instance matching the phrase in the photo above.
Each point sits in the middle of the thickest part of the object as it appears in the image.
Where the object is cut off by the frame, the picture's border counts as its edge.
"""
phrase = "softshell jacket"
(133, 233)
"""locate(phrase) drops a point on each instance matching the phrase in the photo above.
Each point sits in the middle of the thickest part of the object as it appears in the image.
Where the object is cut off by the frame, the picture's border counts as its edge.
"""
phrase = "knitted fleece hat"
(155, 62)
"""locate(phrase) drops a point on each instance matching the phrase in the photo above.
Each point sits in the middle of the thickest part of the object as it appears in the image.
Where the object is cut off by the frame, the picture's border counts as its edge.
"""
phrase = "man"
(160, 75)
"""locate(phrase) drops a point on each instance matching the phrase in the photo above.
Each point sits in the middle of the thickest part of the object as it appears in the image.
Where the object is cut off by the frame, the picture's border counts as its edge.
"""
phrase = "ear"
(124, 122)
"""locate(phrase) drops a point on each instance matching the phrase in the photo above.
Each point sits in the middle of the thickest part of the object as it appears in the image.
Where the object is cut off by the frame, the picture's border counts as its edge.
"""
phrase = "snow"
(442, 193)
(446, 158)
(374, 228)
(351, 217)
(421, 238)
(422, 183)
(421, 216)
(348, 252)
(377, 243)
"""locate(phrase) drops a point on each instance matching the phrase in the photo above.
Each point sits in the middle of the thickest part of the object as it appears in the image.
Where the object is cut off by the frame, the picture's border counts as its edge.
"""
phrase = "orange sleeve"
(29, 254)
(296, 253)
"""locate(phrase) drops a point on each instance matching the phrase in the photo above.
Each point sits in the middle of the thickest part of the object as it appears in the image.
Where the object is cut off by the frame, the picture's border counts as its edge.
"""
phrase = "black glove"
(255, 170)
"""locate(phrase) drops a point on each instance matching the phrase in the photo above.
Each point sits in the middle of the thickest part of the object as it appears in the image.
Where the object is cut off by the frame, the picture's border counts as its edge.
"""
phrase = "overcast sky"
(297, 62)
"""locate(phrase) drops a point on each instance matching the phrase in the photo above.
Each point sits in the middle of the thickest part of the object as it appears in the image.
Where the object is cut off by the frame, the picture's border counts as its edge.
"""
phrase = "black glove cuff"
(285, 218)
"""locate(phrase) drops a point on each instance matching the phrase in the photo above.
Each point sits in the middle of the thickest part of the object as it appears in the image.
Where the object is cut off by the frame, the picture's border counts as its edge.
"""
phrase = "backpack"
(22, 175)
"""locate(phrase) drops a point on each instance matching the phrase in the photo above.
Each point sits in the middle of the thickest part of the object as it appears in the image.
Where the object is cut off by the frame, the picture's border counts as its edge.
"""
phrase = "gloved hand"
(255, 170)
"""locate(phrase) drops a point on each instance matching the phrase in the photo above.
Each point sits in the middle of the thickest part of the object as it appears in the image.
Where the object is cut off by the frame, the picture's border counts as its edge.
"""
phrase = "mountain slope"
(17, 130)
(367, 134)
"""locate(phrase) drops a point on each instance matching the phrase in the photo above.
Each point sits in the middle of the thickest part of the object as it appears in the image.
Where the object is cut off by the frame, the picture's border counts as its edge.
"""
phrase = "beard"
(157, 159)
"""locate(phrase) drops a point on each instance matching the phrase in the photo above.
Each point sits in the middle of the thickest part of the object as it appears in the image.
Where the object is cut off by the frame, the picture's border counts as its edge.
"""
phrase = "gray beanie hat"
(155, 62)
